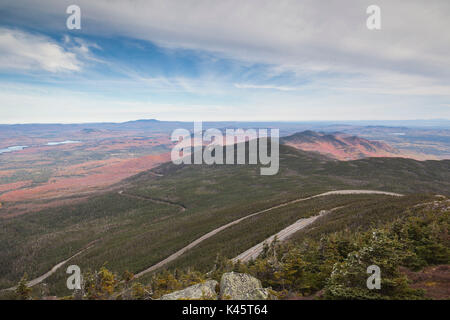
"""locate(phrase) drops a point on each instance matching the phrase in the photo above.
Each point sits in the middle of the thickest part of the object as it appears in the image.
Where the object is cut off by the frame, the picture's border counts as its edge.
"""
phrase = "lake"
(13, 148)
(61, 142)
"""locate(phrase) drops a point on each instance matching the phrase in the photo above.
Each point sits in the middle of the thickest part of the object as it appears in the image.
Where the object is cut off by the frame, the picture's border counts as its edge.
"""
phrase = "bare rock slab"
(241, 286)
(205, 290)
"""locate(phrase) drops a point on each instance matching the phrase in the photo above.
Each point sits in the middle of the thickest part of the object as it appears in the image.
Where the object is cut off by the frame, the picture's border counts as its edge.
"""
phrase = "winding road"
(256, 250)
(53, 269)
(245, 256)
(298, 224)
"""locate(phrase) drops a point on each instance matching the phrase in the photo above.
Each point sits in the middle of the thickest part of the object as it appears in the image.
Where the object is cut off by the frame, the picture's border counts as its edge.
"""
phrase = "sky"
(211, 60)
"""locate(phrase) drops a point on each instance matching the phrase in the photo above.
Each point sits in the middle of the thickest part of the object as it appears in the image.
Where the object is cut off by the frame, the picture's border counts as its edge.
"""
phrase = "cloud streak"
(26, 51)
(305, 33)
(300, 36)
(290, 59)
(256, 86)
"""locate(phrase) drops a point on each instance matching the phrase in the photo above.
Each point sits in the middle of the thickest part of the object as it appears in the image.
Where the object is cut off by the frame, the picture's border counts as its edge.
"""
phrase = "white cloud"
(304, 37)
(256, 86)
(26, 51)
(340, 69)
(310, 34)
(391, 83)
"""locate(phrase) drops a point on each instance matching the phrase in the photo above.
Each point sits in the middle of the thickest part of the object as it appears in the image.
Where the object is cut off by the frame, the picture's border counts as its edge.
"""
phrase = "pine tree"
(23, 292)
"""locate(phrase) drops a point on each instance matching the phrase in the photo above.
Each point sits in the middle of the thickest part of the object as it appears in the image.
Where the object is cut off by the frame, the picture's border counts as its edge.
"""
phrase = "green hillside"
(133, 233)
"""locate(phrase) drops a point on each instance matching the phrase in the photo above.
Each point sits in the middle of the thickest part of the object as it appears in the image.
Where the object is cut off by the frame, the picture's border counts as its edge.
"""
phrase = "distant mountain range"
(340, 146)
(420, 140)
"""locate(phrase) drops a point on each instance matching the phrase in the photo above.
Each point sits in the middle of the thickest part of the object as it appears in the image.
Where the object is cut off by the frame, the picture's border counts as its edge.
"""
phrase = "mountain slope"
(133, 233)
(339, 145)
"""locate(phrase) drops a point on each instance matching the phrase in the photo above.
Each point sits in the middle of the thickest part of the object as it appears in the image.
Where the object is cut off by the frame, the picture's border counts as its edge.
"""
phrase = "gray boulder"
(241, 286)
(204, 290)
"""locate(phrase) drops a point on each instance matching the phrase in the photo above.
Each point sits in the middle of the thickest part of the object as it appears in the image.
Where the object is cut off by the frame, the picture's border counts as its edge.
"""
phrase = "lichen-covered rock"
(241, 286)
(205, 290)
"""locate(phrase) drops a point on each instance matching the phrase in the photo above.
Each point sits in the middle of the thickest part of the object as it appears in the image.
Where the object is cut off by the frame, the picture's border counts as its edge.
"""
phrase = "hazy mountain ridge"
(340, 146)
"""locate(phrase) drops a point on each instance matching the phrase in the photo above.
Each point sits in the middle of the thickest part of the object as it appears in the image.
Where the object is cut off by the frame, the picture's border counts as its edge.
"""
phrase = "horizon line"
(210, 121)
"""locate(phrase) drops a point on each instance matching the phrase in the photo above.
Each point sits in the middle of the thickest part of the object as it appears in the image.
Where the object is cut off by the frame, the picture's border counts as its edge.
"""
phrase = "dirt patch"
(434, 280)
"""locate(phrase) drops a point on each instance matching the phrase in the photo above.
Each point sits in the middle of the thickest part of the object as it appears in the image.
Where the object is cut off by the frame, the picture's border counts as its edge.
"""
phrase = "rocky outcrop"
(205, 290)
(241, 286)
(233, 286)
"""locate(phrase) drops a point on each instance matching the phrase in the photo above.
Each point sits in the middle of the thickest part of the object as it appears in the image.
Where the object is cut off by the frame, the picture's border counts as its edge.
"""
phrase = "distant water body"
(62, 142)
(13, 148)
(18, 148)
